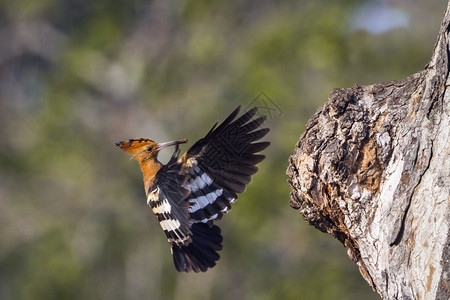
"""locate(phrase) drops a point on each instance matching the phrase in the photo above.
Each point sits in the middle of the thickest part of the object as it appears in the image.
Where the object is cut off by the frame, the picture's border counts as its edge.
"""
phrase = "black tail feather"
(201, 253)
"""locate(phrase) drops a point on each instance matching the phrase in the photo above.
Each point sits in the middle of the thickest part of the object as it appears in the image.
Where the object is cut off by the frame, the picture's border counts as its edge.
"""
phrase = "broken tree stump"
(373, 170)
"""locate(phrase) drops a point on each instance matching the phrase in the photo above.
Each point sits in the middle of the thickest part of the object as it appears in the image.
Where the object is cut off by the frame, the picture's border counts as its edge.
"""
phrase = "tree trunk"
(373, 170)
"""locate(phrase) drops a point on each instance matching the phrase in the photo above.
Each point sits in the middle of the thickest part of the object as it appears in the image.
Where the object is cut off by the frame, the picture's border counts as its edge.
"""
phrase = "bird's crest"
(132, 145)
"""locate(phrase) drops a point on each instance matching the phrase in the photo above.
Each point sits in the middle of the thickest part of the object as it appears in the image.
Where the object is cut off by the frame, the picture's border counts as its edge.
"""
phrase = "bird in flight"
(192, 191)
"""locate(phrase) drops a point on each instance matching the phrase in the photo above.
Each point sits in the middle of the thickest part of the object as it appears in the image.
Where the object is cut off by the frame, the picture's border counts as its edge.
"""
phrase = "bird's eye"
(149, 148)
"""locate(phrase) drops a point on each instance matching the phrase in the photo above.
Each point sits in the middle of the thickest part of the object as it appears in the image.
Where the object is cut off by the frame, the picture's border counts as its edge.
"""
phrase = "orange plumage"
(145, 151)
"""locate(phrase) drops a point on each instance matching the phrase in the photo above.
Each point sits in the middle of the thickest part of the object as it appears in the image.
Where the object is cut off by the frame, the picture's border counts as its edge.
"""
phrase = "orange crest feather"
(133, 145)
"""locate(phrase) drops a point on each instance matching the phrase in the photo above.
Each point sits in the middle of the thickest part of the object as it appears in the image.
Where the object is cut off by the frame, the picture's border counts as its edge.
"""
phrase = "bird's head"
(145, 149)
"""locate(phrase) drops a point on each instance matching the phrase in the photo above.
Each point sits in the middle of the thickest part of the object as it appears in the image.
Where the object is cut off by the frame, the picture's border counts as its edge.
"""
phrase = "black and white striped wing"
(167, 198)
(207, 200)
(194, 246)
(221, 165)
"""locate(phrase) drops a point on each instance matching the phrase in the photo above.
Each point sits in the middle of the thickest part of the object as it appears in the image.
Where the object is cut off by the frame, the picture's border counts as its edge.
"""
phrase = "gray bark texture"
(373, 170)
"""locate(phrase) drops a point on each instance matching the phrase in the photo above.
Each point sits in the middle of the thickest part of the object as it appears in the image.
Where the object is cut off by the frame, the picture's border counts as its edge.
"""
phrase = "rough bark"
(373, 170)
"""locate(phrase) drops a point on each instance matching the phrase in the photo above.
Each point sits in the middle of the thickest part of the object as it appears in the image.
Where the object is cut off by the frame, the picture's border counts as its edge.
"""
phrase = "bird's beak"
(171, 143)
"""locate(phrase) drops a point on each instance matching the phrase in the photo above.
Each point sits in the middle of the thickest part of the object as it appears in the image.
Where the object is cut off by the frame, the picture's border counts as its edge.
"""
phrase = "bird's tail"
(201, 253)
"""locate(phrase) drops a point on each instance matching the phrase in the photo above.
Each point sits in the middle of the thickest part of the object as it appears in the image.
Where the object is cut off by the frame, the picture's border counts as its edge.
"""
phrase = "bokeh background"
(77, 76)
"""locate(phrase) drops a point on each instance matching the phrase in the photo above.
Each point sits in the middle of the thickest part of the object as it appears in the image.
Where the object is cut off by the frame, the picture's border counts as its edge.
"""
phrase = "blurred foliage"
(77, 76)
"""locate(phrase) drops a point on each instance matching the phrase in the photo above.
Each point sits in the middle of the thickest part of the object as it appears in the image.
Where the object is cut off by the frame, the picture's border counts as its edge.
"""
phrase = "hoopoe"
(190, 192)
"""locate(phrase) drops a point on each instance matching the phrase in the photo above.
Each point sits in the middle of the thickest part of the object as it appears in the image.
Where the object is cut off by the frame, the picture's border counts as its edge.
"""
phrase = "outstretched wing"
(221, 164)
(194, 246)
(193, 191)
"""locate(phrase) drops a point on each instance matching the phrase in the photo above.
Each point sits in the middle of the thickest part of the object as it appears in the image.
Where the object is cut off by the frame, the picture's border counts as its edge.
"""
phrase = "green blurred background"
(77, 76)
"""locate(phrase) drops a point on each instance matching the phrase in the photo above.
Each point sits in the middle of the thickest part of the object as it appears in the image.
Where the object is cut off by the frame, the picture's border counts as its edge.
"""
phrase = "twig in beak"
(171, 143)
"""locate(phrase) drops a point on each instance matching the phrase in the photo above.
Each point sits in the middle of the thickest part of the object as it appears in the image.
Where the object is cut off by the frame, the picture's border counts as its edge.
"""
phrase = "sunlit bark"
(373, 170)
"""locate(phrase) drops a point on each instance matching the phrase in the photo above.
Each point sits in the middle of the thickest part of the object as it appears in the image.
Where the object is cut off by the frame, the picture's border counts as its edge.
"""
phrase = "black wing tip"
(252, 111)
(234, 113)
(265, 130)
(262, 145)
(263, 118)
(212, 129)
